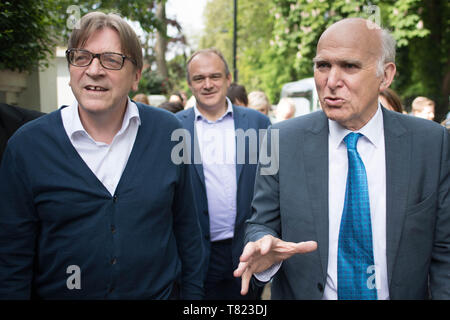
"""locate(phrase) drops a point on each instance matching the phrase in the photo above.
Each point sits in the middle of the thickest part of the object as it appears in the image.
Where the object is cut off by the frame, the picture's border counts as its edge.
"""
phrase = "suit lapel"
(315, 160)
(398, 151)
(189, 123)
(240, 122)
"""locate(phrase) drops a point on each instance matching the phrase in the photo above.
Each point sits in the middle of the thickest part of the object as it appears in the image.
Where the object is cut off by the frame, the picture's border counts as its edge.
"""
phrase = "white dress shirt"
(217, 145)
(106, 161)
(372, 152)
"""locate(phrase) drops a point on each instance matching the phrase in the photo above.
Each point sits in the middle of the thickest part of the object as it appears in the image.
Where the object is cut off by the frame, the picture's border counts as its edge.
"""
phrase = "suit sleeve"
(440, 259)
(266, 204)
(188, 236)
(18, 231)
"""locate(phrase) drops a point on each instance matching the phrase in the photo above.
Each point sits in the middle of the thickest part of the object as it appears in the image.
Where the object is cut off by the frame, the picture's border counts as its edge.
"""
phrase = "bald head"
(351, 33)
(354, 29)
(359, 32)
(353, 63)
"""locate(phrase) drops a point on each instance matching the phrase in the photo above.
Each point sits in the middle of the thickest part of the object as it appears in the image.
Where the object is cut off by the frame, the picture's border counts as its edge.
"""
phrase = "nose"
(95, 68)
(208, 83)
(334, 79)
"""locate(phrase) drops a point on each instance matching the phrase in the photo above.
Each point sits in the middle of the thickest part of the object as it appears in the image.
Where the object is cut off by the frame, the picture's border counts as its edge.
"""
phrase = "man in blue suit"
(91, 204)
(327, 231)
(225, 140)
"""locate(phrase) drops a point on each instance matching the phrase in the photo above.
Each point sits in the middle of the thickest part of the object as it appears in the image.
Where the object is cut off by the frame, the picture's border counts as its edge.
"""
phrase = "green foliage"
(142, 11)
(219, 26)
(25, 38)
(255, 59)
(277, 40)
(152, 83)
(177, 74)
(404, 17)
(422, 31)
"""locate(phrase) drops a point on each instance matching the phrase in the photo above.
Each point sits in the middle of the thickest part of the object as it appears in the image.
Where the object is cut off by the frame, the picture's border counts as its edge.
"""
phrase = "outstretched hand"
(265, 252)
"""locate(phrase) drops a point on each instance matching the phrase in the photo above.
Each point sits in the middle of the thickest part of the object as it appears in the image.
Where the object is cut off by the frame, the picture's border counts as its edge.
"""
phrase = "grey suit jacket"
(293, 205)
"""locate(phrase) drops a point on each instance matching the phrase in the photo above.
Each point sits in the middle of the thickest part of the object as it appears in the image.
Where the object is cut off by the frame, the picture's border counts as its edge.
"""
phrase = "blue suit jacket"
(244, 119)
(293, 205)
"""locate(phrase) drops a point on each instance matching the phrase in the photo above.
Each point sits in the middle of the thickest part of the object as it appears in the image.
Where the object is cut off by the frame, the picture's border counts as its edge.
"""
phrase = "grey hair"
(387, 51)
(258, 99)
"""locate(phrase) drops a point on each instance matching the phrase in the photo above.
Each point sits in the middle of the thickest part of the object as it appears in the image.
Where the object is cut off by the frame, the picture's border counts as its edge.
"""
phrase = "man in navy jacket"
(11, 119)
(91, 204)
(225, 147)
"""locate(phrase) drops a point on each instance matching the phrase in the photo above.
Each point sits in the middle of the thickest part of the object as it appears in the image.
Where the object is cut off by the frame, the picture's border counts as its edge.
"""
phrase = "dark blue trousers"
(220, 283)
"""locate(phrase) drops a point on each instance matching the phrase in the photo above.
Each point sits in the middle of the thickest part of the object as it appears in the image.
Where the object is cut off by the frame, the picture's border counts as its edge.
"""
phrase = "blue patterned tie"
(355, 252)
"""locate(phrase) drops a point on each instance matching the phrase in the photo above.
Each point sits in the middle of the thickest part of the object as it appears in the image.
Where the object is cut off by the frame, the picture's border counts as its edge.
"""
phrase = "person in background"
(258, 100)
(360, 206)
(190, 103)
(91, 204)
(223, 186)
(423, 107)
(176, 97)
(237, 95)
(11, 119)
(142, 98)
(446, 123)
(390, 100)
(184, 97)
(285, 109)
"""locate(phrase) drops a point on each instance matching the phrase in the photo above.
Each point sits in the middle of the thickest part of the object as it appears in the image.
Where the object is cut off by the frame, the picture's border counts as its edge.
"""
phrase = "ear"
(136, 78)
(191, 88)
(229, 80)
(388, 75)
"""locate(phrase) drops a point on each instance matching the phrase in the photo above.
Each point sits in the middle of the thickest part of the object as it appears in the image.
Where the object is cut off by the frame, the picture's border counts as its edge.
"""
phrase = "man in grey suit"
(295, 231)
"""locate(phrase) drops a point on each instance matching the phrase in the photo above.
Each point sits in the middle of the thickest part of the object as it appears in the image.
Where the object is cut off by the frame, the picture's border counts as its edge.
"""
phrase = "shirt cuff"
(266, 275)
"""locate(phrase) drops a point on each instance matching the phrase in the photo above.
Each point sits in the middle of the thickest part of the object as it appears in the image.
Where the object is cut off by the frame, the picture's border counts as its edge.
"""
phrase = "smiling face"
(345, 72)
(208, 82)
(100, 91)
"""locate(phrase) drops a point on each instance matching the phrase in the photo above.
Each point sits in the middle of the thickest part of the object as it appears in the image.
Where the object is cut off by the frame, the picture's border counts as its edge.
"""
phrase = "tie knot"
(352, 139)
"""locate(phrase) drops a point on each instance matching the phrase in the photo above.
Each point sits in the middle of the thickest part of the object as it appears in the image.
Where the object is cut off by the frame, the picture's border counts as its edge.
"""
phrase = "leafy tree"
(422, 31)
(219, 27)
(25, 41)
(152, 83)
(255, 24)
(277, 40)
(255, 59)
(177, 74)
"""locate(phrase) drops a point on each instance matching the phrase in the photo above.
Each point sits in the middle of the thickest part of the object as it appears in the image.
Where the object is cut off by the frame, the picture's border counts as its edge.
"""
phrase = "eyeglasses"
(108, 60)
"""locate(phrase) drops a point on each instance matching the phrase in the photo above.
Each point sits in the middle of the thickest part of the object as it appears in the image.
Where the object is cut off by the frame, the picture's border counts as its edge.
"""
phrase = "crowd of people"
(93, 204)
